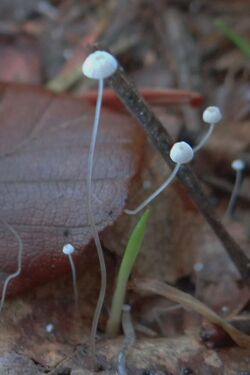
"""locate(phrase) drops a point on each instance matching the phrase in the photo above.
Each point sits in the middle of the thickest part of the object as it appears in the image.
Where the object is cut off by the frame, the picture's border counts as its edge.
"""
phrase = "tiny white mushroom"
(68, 250)
(212, 115)
(225, 310)
(180, 153)
(98, 65)
(238, 165)
(50, 328)
(198, 267)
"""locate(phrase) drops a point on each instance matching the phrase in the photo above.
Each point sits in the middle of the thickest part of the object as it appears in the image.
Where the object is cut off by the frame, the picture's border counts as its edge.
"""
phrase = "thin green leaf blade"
(130, 255)
(134, 245)
(241, 42)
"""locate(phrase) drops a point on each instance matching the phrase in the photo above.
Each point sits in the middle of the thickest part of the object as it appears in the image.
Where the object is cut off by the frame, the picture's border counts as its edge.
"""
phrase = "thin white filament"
(235, 192)
(205, 138)
(19, 263)
(92, 221)
(157, 192)
(73, 271)
(129, 340)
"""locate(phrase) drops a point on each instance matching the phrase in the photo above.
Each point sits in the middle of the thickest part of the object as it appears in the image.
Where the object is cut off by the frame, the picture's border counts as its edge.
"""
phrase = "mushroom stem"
(19, 263)
(234, 195)
(156, 192)
(129, 339)
(205, 138)
(92, 220)
(73, 271)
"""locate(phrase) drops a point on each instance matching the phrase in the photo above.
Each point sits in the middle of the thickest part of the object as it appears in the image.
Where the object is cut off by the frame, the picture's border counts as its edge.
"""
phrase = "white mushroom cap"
(212, 115)
(99, 65)
(238, 165)
(181, 153)
(68, 249)
(126, 307)
(49, 327)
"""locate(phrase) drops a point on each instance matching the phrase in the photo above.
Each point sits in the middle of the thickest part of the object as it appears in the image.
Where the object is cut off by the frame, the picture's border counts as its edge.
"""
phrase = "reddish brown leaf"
(44, 140)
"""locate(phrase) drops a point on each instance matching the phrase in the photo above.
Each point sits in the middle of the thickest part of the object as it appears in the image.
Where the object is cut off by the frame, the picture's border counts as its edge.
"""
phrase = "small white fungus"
(126, 307)
(212, 115)
(99, 65)
(181, 153)
(238, 165)
(198, 267)
(50, 328)
(225, 309)
(68, 249)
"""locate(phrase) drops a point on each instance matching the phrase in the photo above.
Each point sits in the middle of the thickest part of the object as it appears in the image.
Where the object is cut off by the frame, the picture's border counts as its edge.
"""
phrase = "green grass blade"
(237, 39)
(129, 258)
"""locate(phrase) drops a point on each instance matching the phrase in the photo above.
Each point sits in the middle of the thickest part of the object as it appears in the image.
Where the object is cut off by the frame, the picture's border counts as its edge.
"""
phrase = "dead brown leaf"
(43, 157)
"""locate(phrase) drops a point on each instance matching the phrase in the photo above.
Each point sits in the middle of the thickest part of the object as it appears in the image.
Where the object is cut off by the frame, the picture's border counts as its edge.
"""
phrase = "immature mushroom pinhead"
(212, 115)
(180, 153)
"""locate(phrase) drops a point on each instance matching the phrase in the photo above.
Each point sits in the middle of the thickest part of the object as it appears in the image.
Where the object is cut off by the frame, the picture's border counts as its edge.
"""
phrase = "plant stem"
(160, 138)
(130, 254)
(92, 222)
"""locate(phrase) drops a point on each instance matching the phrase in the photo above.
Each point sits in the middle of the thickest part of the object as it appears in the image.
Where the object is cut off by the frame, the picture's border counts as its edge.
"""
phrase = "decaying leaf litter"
(179, 247)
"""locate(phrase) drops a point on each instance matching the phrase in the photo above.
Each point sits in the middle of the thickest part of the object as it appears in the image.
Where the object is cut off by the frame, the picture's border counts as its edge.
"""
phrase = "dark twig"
(137, 106)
